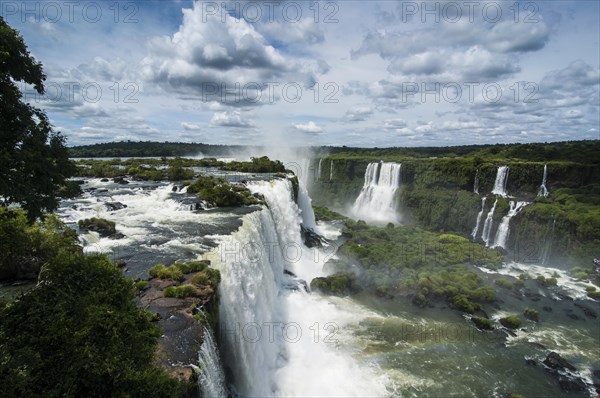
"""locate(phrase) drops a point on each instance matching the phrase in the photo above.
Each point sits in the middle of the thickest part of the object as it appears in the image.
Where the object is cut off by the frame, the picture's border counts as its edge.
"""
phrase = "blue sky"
(356, 73)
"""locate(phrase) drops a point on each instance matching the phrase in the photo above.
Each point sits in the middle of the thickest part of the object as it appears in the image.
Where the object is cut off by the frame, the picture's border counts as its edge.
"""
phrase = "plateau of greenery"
(218, 192)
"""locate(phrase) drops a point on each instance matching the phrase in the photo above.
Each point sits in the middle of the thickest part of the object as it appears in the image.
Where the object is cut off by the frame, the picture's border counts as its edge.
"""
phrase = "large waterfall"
(500, 183)
(319, 169)
(479, 217)
(543, 190)
(487, 225)
(268, 319)
(331, 171)
(503, 228)
(377, 199)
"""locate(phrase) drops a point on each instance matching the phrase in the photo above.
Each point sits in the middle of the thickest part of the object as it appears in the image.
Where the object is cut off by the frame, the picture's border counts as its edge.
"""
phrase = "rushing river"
(276, 338)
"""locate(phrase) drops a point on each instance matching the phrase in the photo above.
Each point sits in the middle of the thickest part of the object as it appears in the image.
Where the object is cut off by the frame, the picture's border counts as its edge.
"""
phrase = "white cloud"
(309, 128)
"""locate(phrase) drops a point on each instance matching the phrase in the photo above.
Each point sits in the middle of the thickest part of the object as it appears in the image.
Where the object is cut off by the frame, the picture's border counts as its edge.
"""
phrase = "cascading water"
(479, 217)
(487, 225)
(548, 244)
(319, 169)
(476, 183)
(500, 183)
(212, 378)
(331, 171)
(376, 201)
(504, 227)
(543, 190)
(268, 319)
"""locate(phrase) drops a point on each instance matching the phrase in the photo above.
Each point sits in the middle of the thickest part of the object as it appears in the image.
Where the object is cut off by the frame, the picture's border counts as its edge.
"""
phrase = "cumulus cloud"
(190, 126)
(358, 113)
(308, 128)
(231, 119)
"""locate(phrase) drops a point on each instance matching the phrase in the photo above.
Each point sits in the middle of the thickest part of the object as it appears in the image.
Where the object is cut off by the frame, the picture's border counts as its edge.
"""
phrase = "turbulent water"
(500, 182)
(377, 199)
(278, 339)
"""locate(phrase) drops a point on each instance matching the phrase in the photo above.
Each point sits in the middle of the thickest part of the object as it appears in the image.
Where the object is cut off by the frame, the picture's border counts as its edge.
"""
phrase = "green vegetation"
(34, 162)
(532, 314)
(504, 283)
(25, 247)
(208, 276)
(551, 281)
(511, 322)
(182, 291)
(339, 284)
(482, 322)
(92, 341)
(148, 148)
(100, 225)
(256, 165)
(167, 273)
(141, 285)
(407, 260)
(220, 193)
(192, 266)
(325, 214)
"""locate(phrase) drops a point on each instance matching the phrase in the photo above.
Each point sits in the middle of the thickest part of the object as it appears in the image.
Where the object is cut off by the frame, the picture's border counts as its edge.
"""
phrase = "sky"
(355, 73)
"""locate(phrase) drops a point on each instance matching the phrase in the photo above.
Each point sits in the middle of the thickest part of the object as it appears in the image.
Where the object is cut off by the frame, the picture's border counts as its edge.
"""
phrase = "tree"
(34, 161)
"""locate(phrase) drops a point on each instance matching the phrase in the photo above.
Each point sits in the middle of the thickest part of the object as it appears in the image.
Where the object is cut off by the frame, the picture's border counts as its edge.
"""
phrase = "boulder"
(555, 361)
(120, 180)
(114, 206)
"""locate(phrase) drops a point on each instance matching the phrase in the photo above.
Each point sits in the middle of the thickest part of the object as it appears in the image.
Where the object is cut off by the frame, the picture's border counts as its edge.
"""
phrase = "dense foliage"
(34, 161)
(100, 225)
(80, 334)
(25, 247)
(428, 266)
(218, 192)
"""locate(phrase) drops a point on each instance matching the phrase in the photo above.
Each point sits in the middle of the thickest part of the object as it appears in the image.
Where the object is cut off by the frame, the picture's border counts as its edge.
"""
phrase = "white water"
(543, 190)
(331, 171)
(504, 227)
(487, 225)
(305, 204)
(479, 217)
(476, 183)
(271, 339)
(548, 244)
(212, 378)
(319, 169)
(376, 201)
(500, 183)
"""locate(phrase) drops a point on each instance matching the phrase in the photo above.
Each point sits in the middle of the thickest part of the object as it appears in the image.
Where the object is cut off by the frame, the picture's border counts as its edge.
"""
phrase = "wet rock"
(482, 323)
(571, 383)
(175, 189)
(572, 315)
(547, 309)
(114, 206)
(104, 180)
(531, 361)
(311, 238)
(120, 263)
(120, 180)
(555, 361)
(590, 313)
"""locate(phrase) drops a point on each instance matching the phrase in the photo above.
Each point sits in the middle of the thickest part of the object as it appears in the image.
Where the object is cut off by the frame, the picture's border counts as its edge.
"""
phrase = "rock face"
(311, 238)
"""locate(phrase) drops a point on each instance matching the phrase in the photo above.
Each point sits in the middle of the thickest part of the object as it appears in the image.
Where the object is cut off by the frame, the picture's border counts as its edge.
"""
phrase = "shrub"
(463, 303)
(192, 266)
(103, 227)
(167, 273)
(511, 322)
(208, 276)
(504, 283)
(594, 295)
(532, 314)
(141, 285)
(182, 291)
(482, 322)
(551, 281)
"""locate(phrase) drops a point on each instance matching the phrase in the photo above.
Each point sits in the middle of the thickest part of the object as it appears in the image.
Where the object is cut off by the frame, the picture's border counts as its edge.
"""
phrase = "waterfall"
(319, 169)
(479, 217)
(267, 319)
(487, 225)
(476, 183)
(500, 183)
(504, 227)
(376, 201)
(548, 244)
(212, 378)
(331, 171)
(543, 190)
(305, 204)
